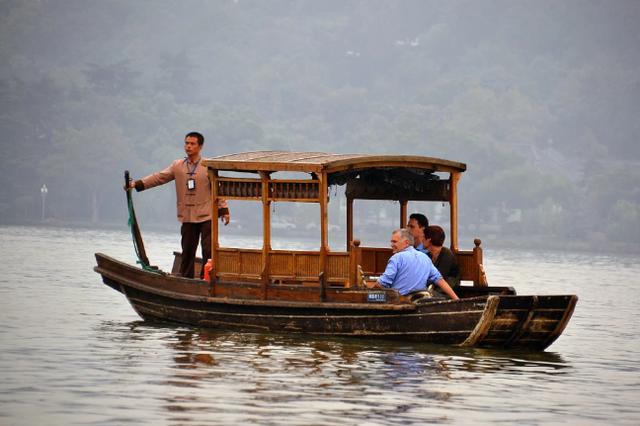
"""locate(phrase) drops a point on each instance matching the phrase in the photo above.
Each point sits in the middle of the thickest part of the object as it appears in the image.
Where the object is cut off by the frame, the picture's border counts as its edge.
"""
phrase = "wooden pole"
(403, 213)
(215, 245)
(453, 210)
(266, 232)
(349, 222)
(354, 263)
(324, 231)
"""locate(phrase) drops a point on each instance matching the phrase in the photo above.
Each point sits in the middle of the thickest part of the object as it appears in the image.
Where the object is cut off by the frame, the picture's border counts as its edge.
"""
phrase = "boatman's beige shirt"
(193, 205)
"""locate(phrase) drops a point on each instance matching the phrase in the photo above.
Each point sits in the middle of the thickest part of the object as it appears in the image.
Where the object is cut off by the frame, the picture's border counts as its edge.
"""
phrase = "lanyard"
(195, 166)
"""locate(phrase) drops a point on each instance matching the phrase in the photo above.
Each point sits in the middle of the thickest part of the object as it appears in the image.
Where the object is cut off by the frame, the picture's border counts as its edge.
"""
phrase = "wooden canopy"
(319, 162)
(402, 178)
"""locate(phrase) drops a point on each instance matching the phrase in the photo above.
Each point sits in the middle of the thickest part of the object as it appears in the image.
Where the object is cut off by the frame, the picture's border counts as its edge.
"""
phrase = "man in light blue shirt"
(409, 270)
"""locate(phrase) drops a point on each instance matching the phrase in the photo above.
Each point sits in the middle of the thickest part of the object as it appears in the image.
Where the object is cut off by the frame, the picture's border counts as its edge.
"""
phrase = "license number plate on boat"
(377, 296)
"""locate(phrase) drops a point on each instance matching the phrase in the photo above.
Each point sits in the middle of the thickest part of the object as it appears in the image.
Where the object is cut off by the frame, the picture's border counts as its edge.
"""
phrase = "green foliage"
(540, 102)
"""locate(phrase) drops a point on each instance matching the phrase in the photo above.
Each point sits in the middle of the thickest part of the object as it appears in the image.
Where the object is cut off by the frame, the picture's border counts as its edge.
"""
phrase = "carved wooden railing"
(292, 267)
(279, 190)
(237, 188)
(294, 190)
(342, 268)
(470, 263)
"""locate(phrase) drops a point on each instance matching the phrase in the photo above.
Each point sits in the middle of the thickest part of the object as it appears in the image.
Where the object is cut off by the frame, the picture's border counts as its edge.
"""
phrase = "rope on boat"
(143, 261)
(138, 245)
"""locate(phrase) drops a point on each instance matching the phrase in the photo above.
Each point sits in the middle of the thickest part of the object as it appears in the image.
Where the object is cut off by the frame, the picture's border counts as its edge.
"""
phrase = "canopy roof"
(318, 162)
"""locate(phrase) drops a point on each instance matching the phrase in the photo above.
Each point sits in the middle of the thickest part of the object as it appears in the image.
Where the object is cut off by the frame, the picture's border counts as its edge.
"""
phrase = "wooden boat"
(322, 292)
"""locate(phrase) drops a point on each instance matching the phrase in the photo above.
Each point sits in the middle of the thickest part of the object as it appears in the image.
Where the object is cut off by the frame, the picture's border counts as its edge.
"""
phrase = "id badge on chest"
(191, 184)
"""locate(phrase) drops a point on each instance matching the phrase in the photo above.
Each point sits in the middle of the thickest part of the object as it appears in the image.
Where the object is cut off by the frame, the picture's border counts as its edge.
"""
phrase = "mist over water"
(539, 98)
(72, 351)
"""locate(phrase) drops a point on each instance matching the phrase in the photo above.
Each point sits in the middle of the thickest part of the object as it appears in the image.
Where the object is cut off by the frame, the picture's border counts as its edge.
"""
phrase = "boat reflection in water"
(197, 375)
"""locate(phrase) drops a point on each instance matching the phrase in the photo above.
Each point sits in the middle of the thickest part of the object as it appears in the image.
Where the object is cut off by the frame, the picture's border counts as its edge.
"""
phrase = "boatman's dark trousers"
(191, 233)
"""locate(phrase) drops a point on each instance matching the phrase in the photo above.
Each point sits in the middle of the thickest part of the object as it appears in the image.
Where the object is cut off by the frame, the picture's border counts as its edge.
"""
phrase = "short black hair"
(436, 234)
(195, 135)
(421, 219)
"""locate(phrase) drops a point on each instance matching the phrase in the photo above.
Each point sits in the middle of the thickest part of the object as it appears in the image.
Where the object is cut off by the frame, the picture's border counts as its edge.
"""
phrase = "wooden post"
(354, 263)
(324, 230)
(453, 210)
(323, 286)
(349, 222)
(266, 232)
(215, 244)
(403, 213)
(481, 279)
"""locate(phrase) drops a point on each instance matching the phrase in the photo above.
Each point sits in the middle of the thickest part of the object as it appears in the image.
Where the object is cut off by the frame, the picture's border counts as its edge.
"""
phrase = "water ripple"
(72, 351)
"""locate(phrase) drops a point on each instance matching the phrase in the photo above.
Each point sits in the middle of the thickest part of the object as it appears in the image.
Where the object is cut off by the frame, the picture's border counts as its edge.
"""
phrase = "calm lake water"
(72, 351)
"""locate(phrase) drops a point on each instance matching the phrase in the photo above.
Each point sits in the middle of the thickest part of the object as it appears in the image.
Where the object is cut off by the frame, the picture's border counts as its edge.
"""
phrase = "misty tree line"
(539, 99)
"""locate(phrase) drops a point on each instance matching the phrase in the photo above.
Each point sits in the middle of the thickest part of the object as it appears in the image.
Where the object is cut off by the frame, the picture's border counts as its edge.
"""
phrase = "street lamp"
(43, 192)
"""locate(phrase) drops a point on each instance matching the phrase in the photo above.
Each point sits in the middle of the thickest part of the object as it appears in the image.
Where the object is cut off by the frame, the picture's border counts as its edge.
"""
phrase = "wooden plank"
(468, 266)
(484, 324)
(349, 222)
(266, 232)
(381, 161)
(215, 245)
(403, 213)
(453, 210)
(480, 279)
(523, 325)
(324, 231)
(308, 265)
(354, 263)
(295, 190)
(319, 162)
(573, 299)
(282, 264)
(470, 263)
(240, 188)
(374, 259)
(338, 267)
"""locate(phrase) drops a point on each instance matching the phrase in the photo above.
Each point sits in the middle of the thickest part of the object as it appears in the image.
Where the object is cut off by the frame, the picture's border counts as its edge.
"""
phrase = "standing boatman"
(193, 201)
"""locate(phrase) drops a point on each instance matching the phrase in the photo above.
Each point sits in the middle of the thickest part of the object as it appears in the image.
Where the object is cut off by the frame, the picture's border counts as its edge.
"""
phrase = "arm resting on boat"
(373, 284)
(447, 289)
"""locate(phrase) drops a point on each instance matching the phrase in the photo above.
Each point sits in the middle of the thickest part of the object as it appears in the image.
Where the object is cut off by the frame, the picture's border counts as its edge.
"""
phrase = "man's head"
(193, 142)
(417, 224)
(198, 136)
(436, 235)
(401, 239)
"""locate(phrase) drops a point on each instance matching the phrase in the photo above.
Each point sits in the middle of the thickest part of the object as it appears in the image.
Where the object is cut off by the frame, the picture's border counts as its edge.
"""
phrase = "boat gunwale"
(122, 280)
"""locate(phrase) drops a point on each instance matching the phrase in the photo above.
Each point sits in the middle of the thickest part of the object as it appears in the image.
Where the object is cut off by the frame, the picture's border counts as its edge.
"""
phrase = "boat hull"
(489, 320)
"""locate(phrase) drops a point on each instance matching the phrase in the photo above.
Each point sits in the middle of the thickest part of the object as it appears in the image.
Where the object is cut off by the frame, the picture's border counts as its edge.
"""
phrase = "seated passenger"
(409, 270)
(442, 257)
(417, 225)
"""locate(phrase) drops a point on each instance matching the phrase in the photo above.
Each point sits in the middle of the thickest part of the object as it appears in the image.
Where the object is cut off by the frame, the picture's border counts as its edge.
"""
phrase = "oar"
(135, 231)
